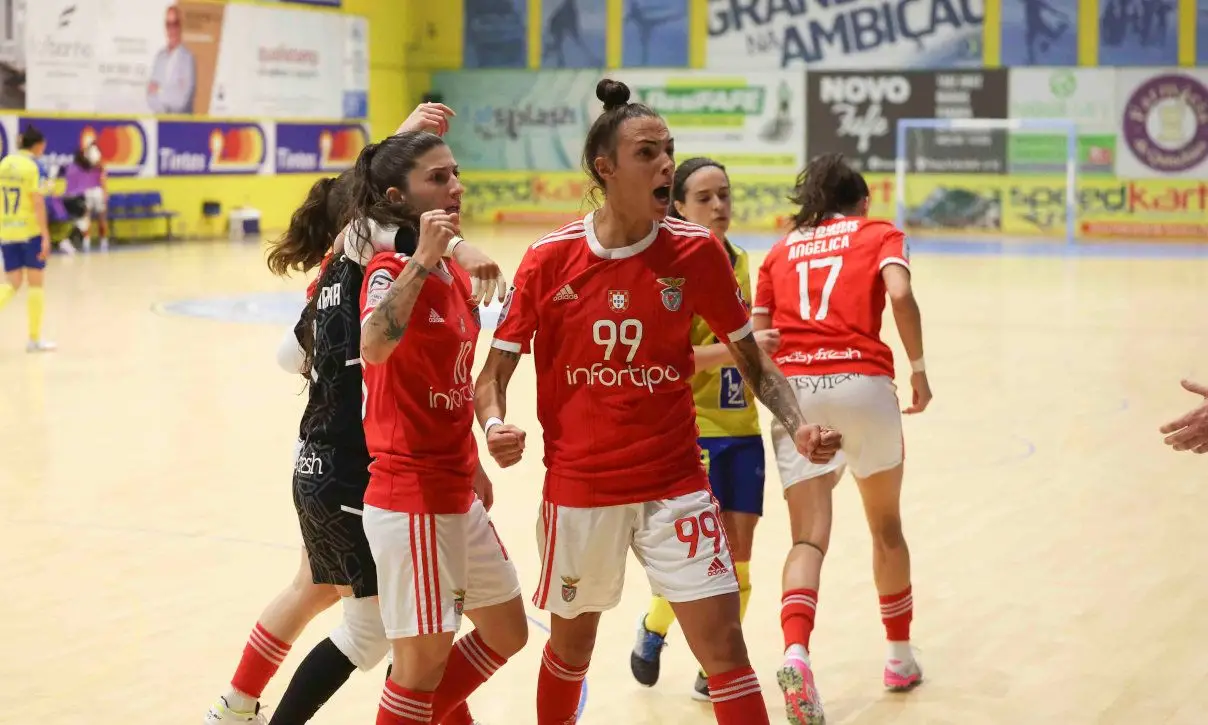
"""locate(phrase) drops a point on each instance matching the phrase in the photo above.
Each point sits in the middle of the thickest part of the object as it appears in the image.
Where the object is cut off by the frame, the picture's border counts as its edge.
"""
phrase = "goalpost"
(908, 163)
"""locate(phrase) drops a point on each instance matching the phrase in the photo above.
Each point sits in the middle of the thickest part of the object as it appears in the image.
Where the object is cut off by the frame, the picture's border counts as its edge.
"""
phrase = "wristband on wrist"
(453, 245)
(491, 423)
(918, 366)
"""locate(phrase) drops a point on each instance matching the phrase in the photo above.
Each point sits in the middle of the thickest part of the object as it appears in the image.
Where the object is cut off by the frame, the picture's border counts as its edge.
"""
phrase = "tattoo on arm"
(767, 382)
(389, 319)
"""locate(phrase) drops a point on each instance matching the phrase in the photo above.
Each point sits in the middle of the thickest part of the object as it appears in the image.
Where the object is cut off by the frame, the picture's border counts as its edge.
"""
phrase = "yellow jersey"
(19, 183)
(725, 407)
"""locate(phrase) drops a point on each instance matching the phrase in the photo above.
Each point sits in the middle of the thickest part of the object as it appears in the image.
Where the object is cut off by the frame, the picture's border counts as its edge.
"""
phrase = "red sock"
(400, 706)
(470, 664)
(797, 609)
(896, 612)
(262, 655)
(558, 688)
(460, 716)
(737, 699)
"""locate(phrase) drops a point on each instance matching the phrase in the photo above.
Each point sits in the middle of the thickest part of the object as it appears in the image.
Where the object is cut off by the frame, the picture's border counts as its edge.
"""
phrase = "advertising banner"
(857, 114)
(495, 34)
(751, 122)
(142, 57)
(195, 148)
(757, 35)
(312, 148)
(1039, 32)
(573, 34)
(1086, 96)
(1138, 32)
(127, 146)
(1163, 117)
(654, 34)
(520, 120)
(1035, 206)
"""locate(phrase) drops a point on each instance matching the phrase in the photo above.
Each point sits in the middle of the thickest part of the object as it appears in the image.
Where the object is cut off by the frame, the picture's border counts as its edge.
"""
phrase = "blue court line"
(233, 540)
(985, 247)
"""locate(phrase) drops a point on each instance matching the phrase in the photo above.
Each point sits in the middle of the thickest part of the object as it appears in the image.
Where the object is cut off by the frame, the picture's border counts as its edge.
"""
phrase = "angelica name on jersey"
(823, 289)
(333, 408)
(419, 404)
(610, 332)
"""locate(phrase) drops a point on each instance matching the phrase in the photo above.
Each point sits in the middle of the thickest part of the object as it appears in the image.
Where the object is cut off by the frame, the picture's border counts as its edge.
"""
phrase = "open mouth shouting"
(663, 194)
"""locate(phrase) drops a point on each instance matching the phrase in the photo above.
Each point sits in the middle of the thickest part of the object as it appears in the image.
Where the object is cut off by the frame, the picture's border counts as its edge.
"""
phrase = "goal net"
(974, 176)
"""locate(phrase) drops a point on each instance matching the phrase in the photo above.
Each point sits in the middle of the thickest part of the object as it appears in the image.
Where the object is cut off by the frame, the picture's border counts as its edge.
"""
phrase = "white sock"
(901, 652)
(797, 652)
(239, 702)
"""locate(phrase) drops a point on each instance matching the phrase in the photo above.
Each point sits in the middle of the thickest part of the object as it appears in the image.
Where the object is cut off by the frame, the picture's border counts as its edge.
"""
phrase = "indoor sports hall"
(1048, 160)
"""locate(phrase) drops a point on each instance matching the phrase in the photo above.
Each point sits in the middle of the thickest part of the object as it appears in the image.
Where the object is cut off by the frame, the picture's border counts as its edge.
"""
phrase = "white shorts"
(864, 408)
(432, 567)
(94, 200)
(679, 541)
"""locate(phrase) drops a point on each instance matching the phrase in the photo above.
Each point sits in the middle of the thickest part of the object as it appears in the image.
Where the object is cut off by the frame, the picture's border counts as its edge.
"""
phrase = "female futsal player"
(611, 299)
(730, 442)
(824, 287)
(435, 548)
(331, 470)
(86, 196)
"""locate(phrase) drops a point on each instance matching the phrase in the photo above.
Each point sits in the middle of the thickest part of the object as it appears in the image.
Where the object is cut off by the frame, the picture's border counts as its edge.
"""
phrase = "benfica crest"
(673, 296)
(618, 301)
(459, 601)
(569, 588)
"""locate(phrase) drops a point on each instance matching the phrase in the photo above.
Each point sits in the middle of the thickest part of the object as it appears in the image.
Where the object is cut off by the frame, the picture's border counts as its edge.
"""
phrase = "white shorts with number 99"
(864, 408)
(679, 541)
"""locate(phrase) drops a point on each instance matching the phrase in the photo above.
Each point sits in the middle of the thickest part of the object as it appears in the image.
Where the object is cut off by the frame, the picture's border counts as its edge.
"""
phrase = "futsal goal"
(1007, 177)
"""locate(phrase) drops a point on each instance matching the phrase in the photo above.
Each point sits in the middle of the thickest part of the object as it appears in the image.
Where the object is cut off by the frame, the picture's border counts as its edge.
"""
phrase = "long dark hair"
(602, 136)
(828, 185)
(380, 167)
(312, 230)
(679, 185)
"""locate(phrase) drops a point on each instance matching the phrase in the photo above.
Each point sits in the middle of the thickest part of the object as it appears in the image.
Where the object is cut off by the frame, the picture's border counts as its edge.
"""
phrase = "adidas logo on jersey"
(565, 294)
(434, 317)
(716, 568)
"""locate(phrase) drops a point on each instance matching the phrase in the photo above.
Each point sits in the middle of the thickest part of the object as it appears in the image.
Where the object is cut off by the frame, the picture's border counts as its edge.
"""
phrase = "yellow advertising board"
(936, 204)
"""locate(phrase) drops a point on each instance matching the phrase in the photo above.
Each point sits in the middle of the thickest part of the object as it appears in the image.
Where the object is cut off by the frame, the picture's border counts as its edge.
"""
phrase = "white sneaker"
(66, 248)
(40, 346)
(220, 714)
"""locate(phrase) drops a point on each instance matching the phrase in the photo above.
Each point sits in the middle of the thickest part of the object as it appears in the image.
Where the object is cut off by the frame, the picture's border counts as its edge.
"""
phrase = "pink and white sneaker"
(802, 705)
(902, 675)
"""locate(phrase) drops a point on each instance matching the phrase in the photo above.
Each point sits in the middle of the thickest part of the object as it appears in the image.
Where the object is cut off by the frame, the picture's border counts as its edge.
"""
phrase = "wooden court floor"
(1060, 553)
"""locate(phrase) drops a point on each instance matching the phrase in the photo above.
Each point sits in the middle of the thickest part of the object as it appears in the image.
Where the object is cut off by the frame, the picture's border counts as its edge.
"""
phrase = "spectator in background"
(86, 198)
(174, 73)
(1190, 433)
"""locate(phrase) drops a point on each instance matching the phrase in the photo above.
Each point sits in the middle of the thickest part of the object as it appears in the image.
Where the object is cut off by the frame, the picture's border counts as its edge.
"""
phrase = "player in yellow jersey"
(24, 234)
(730, 441)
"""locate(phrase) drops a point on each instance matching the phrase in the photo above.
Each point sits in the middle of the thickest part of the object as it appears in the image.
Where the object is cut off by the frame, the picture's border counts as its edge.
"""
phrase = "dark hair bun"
(614, 94)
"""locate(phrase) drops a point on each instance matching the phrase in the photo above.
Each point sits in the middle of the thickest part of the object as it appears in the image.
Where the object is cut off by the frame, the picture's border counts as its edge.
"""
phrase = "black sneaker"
(644, 660)
(700, 690)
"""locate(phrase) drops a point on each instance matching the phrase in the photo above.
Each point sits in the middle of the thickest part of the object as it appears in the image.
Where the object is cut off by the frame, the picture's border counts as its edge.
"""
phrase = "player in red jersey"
(824, 287)
(436, 551)
(611, 300)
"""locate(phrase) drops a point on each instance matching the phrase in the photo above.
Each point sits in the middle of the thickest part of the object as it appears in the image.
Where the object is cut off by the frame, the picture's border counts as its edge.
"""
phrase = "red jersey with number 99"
(611, 340)
(823, 290)
(419, 403)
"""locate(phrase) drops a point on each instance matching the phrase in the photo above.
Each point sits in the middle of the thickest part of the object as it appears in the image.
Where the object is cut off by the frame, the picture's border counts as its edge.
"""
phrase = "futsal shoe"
(902, 675)
(700, 689)
(644, 661)
(802, 705)
(220, 714)
(39, 346)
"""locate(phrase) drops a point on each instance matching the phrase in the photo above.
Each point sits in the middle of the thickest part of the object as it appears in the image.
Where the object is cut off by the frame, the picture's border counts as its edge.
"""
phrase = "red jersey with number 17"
(611, 341)
(823, 289)
(419, 404)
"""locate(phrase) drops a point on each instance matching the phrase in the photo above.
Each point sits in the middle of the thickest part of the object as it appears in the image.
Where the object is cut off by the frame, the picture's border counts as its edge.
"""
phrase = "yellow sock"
(7, 292)
(742, 569)
(660, 616)
(36, 305)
